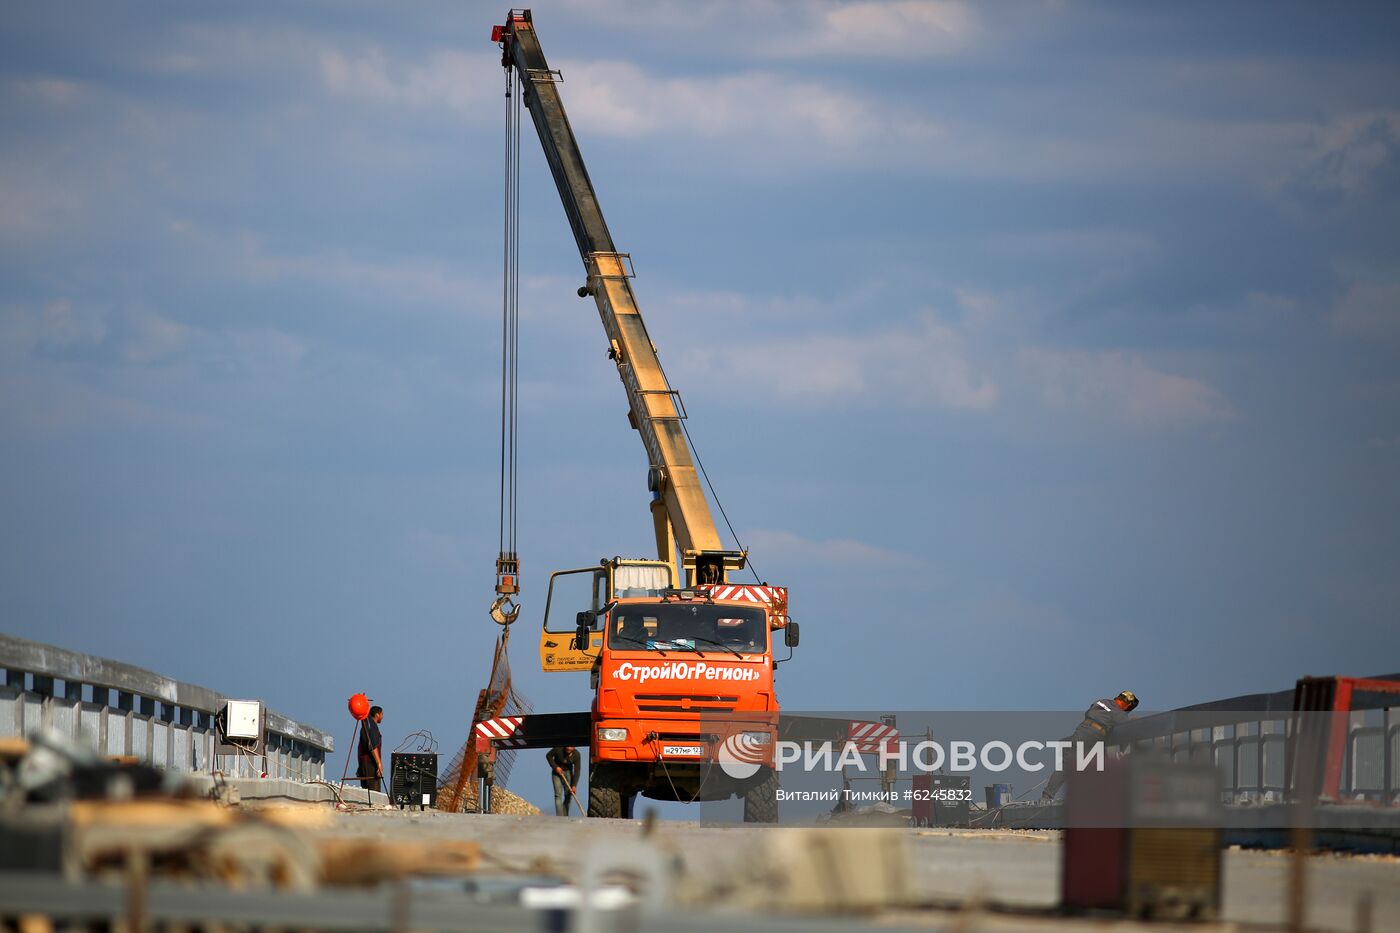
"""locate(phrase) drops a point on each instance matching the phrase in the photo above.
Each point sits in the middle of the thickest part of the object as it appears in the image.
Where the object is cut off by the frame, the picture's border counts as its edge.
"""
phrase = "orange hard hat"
(359, 706)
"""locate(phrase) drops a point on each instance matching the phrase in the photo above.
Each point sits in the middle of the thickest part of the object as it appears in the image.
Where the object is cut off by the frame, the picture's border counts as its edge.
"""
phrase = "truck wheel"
(761, 799)
(605, 791)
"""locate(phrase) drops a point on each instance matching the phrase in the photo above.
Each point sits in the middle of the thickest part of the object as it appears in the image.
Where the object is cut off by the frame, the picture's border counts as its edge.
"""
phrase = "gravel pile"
(502, 801)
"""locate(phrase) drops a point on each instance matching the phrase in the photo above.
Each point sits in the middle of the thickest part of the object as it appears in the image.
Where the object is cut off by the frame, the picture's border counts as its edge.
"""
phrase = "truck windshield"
(688, 626)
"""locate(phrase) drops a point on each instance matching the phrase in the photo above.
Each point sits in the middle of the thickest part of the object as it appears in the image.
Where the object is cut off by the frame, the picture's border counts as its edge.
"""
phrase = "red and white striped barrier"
(766, 595)
(870, 738)
(503, 731)
(774, 598)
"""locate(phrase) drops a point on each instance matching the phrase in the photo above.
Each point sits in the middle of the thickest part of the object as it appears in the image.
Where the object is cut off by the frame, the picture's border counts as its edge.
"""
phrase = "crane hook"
(504, 610)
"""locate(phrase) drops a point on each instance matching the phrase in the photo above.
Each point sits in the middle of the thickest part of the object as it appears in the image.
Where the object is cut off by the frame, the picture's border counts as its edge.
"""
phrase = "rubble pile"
(502, 801)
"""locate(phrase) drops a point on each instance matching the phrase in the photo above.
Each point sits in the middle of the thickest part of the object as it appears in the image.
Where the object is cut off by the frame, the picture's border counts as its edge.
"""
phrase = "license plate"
(692, 751)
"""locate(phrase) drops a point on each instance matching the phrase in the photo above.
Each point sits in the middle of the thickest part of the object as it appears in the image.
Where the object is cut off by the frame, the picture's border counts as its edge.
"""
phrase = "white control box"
(242, 719)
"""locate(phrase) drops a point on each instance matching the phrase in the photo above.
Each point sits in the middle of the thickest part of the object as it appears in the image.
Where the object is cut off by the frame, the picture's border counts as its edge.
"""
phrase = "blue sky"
(1042, 349)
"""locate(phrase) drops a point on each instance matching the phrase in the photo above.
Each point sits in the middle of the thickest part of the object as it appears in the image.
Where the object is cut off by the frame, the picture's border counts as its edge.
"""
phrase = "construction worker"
(371, 763)
(564, 766)
(1100, 719)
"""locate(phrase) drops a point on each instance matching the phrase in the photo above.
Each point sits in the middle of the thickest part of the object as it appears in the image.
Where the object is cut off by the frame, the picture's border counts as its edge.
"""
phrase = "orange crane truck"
(681, 659)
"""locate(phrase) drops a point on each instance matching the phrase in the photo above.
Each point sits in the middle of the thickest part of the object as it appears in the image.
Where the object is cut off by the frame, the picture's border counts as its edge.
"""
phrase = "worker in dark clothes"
(1100, 719)
(563, 765)
(371, 769)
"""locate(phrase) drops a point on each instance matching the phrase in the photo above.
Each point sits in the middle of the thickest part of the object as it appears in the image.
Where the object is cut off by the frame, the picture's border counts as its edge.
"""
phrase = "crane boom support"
(655, 409)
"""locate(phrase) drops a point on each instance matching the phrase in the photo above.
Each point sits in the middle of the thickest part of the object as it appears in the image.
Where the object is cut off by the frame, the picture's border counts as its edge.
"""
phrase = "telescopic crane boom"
(655, 409)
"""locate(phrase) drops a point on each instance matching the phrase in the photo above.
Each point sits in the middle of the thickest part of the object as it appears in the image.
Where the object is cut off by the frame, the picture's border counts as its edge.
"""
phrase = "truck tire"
(605, 791)
(761, 799)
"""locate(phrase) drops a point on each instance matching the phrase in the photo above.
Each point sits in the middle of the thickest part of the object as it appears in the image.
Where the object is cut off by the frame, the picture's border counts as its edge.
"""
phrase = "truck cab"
(683, 707)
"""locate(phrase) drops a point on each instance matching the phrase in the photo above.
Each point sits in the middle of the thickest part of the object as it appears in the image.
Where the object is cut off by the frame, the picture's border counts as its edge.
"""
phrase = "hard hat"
(1129, 698)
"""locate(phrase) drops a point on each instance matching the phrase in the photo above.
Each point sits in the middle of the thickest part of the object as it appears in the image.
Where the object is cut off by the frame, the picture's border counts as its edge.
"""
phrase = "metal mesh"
(499, 698)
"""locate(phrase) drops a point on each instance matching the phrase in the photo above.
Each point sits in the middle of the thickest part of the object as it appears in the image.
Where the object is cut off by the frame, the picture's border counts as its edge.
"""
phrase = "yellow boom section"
(655, 409)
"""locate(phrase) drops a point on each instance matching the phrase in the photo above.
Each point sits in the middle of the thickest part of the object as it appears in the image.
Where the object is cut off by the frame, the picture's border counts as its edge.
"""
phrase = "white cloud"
(138, 337)
(888, 29)
(791, 548)
(1119, 387)
(61, 326)
(732, 303)
(1130, 144)
(839, 303)
(147, 337)
(135, 335)
(457, 81)
(834, 120)
(73, 364)
(985, 358)
(620, 99)
(921, 367)
(255, 353)
(39, 204)
(231, 50)
(48, 400)
(1368, 310)
(1346, 153)
(45, 91)
(1102, 244)
(900, 29)
(408, 281)
(820, 119)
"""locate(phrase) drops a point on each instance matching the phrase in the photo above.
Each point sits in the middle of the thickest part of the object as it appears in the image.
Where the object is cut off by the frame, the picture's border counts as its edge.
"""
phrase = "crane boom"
(679, 507)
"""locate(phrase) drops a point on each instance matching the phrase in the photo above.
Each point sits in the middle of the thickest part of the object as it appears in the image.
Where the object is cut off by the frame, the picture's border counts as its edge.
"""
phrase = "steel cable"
(510, 322)
(504, 609)
(715, 496)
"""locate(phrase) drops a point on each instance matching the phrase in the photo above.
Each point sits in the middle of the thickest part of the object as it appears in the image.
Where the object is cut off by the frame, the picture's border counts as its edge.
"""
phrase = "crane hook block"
(504, 610)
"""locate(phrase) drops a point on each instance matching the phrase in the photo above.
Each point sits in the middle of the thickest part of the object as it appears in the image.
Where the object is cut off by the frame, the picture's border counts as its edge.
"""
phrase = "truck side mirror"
(585, 620)
(791, 634)
(581, 637)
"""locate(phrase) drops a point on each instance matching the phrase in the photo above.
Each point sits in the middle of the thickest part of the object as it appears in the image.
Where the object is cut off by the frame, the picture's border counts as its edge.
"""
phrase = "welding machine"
(1143, 837)
(413, 779)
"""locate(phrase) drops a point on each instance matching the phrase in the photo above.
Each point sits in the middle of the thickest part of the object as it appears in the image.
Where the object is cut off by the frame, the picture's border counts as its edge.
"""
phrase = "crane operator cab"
(565, 646)
(589, 590)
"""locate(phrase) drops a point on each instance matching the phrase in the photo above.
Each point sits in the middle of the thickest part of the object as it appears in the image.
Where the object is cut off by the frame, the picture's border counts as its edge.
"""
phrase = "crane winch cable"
(505, 608)
(719, 505)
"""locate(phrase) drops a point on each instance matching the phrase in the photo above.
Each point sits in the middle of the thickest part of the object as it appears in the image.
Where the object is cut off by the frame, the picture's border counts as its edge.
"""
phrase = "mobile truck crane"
(681, 660)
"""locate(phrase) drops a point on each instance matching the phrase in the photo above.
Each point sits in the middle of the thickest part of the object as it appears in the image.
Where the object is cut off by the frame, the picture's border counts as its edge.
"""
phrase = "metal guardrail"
(1247, 737)
(119, 709)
